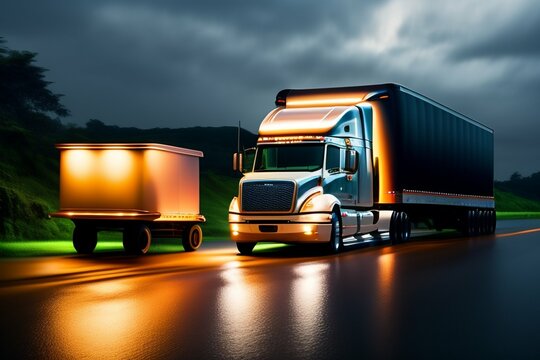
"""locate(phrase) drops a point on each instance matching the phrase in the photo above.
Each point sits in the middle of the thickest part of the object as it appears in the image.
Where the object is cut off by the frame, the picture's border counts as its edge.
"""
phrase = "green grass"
(217, 192)
(508, 215)
(108, 242)
(508, 202)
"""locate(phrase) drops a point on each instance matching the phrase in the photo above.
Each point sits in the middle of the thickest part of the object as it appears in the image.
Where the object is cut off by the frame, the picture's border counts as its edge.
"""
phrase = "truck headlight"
(234, 211)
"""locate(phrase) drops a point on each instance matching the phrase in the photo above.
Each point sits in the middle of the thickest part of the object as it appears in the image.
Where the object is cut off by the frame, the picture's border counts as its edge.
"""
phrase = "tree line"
(24, 92)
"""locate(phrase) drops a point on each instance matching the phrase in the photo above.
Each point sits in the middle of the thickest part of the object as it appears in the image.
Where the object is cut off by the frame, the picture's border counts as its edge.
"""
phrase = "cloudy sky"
(178, 63)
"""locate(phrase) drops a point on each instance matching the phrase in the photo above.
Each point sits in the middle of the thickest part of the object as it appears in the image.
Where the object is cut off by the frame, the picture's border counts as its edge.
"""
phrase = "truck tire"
(468, 226)
(245, 248)
(192, 238)
(137, 239)
(474, 220)
(84, 238)
(492, 221)
(400, 227)
(335, 244)
(485, 221)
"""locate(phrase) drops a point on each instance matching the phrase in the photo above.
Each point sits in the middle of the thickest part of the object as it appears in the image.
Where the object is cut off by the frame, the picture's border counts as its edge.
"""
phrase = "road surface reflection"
(241, 304)
(309, 295)
(110, 319)
(446, 297)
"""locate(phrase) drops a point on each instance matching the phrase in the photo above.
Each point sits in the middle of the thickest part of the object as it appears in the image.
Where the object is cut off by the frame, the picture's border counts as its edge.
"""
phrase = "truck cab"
(311, 180)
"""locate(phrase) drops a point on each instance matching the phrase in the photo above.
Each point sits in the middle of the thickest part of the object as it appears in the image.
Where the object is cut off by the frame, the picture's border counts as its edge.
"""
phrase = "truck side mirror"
(351, 161)
(243, 161)
(237, 161)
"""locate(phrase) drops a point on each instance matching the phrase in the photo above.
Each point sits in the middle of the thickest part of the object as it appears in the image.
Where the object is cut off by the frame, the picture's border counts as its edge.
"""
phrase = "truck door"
(336, 182)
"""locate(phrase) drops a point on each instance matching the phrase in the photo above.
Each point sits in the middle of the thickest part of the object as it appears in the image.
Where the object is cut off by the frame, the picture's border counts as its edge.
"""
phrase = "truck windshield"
(297, 157)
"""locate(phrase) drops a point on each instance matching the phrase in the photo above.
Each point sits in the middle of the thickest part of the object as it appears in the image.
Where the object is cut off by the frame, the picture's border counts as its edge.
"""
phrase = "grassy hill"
(509, 202)
(526, 187)
(28, 183)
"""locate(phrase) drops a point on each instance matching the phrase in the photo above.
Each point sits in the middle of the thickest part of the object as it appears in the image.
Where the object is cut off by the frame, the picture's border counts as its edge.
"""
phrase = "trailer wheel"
(481, 221)
(84, 239)
(137, 239)
(492, 221)
(470, 223)
(245, 248)
(400, 227)
(335, 243)
(486, 221)
(475, 222)
(192, 238)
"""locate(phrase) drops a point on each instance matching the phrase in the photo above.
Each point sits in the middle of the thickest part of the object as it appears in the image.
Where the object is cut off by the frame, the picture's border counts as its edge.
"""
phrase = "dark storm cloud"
(516, 37)
(184, 63)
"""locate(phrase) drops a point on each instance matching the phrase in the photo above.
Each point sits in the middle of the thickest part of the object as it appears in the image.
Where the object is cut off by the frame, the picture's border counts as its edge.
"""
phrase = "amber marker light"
(308, 230)
(234, 229)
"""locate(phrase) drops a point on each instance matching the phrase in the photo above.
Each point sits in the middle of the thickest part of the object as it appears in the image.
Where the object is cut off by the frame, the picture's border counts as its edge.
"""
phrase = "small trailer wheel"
(192, 238)
(137, 239)
(245, 248)
(84, 239)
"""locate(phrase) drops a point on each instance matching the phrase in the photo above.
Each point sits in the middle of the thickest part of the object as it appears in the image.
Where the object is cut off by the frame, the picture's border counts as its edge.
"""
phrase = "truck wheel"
(400, 227)
(405, 233)
(245, 248)
(470, 223)
(476, 222)
(192, 238)
(486, 219)
(84, 239)
(335, 243)
(492, 221)
(137, 239)
(481, 222)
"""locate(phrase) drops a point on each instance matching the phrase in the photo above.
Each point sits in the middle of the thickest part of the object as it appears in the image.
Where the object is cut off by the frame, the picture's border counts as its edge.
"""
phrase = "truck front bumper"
(281, 232)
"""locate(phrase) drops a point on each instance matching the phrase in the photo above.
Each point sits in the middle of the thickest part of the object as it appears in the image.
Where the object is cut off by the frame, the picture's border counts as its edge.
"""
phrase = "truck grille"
(267, 195)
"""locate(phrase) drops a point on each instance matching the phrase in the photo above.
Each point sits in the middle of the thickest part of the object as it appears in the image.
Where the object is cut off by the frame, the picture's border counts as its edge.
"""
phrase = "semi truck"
(141, 189)
(338, 166)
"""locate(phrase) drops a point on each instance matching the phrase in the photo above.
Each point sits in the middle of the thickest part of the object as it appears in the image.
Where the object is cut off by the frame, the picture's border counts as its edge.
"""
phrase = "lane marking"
(523, 232)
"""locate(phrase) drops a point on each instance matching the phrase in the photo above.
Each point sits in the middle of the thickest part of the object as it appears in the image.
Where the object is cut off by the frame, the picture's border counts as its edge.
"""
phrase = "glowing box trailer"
(336, 163)
(143, 190)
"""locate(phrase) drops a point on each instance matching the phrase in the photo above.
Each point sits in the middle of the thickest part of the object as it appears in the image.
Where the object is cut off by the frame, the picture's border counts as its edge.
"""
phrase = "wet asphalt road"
(438, 296)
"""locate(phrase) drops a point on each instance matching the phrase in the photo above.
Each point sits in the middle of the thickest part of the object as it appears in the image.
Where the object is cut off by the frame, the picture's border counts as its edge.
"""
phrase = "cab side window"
(333, 159)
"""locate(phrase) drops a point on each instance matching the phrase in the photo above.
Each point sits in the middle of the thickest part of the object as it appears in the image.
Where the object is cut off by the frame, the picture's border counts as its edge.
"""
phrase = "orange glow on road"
(385, 318)
(386, 263)
(106, 319)
(516, 233)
